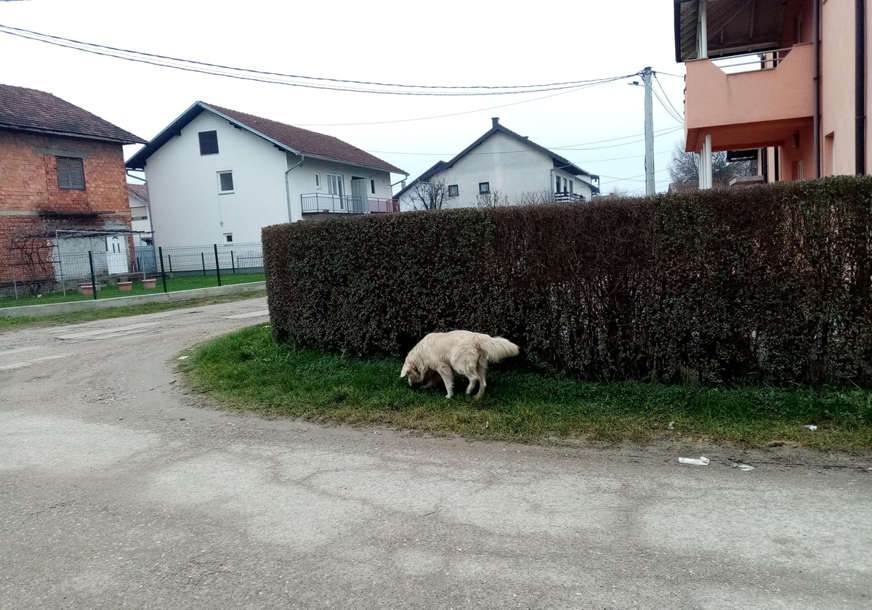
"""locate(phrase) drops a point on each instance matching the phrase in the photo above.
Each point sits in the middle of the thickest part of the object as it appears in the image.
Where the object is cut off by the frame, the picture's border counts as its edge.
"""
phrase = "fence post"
(170, 259)
(162, 274)
(217, 266)
(93, 279)
(203, 261)
(232, 262)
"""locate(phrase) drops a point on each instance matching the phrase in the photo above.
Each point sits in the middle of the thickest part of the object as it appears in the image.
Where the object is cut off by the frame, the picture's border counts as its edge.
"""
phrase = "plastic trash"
(671, 426)
(743, 467)
(700, 461)
(183, 357)
(812, 428)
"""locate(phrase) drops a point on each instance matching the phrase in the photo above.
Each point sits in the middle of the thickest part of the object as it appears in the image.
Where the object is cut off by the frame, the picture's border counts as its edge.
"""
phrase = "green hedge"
(766, 284)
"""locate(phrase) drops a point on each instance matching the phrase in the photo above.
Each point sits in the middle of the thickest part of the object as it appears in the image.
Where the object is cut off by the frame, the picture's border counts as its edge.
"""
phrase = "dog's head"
(413, 372)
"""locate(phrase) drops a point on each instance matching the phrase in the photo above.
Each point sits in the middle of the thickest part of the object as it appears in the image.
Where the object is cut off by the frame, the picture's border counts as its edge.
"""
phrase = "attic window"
(71, 174)
(453, 190)
(208, 142)
(484, 188)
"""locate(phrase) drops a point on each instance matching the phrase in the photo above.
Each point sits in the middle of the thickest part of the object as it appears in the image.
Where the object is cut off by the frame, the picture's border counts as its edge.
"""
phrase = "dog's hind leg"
(482, 384)
(447, 375)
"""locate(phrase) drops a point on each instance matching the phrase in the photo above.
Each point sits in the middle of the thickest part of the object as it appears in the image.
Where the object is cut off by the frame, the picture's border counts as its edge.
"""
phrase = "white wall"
(186, 208)
(511, 168)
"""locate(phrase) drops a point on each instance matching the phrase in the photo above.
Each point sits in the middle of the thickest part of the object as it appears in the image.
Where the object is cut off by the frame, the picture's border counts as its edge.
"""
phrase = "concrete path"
(119, 489)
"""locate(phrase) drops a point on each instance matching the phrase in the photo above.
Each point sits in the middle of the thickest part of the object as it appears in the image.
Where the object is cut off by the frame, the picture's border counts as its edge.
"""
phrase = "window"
(454, 190)
(71, 173)
(372, 186)
(208, 142)
(225, 182)
(228, 237)
(317, 181)
(484, 188)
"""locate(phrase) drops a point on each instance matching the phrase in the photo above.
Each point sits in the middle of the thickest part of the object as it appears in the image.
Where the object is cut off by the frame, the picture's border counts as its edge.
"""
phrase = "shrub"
(766, 284)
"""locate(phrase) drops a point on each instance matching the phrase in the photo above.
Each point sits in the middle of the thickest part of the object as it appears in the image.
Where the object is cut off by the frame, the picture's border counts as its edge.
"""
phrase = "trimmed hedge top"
(759, 284)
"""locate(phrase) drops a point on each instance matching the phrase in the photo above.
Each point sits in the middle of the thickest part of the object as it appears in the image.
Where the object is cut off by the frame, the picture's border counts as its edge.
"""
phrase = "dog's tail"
(498, 349)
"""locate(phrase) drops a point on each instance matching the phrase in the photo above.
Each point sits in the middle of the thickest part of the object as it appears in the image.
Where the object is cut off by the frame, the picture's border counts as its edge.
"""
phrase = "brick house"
(61, 168)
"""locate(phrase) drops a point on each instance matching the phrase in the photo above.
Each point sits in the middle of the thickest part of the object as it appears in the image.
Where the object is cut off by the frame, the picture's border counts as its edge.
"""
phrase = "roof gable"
(287, 137)
(23, 109)
(559, 161)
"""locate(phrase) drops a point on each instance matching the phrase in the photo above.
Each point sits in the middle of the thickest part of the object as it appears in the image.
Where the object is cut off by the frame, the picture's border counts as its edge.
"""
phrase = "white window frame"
(219, 174)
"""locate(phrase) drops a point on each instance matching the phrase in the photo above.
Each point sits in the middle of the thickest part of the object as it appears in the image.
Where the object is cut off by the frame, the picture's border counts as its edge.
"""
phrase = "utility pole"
(647, 75)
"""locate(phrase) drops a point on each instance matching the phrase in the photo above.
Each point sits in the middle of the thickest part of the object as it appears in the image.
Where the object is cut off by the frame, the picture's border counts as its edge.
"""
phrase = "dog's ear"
(405, 370)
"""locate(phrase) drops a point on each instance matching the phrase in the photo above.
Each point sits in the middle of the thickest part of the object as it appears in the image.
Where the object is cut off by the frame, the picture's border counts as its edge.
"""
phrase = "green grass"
(248, 370)
(107, 292)
(119, 312)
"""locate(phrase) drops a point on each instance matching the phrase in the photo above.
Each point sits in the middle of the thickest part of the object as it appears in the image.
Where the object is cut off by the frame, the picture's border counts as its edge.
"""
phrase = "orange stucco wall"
(731, 107)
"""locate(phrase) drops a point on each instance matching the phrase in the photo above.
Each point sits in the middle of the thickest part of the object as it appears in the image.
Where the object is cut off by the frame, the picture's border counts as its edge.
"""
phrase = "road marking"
(17, 350)
(250, 314)
(24, 363)
(106, 331)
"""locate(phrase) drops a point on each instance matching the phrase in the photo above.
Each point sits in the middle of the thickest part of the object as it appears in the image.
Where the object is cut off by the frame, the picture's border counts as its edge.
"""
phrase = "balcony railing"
(750, 62)
(567, 197)
(321, 203)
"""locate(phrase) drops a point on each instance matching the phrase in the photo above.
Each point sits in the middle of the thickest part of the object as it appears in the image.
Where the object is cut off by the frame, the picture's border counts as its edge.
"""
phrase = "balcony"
(567, 197)
(320, 203)
(749, 108)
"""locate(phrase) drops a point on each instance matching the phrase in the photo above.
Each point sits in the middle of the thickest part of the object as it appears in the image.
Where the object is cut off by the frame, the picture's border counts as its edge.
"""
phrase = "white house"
(502, 167)
(137, 197)
(217, 175)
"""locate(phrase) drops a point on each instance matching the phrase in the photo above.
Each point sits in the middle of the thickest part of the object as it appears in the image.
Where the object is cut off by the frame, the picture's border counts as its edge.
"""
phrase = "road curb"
(141, 299)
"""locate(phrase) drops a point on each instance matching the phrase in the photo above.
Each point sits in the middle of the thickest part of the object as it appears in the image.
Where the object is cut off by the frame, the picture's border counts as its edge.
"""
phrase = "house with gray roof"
(501, 167)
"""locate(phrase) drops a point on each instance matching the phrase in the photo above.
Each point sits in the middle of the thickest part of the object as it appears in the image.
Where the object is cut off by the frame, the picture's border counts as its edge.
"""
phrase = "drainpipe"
(860, 87)
(817, 87)
(287, 186)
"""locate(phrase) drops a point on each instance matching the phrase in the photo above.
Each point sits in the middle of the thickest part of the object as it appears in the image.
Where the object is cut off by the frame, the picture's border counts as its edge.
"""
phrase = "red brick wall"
(30, 199)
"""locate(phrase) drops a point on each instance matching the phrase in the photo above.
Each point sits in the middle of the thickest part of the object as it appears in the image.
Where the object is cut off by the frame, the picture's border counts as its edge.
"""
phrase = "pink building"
(784, 80)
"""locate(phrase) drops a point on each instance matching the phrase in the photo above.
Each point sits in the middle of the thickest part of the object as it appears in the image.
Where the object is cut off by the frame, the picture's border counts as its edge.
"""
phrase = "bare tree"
(493, 199)
(684, 168)
(428, 195)
(536, 198)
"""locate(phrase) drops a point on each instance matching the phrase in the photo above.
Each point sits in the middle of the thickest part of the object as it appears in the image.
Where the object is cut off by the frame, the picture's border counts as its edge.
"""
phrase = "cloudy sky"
(444, 43)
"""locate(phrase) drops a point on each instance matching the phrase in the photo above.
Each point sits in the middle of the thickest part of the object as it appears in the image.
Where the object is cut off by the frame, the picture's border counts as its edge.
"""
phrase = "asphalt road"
(119, 489)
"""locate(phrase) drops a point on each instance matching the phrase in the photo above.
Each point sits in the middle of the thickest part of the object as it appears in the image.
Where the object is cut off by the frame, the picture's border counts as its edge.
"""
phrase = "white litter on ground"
(743, 467)
(183, 357)
(812, 428)
(700, 461)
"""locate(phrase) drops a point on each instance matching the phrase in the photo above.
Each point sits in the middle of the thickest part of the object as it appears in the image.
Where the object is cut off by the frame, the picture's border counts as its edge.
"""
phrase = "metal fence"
(121, 269)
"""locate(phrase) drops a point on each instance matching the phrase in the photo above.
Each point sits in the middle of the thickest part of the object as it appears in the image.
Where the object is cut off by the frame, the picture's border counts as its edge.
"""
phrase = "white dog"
(462, 351)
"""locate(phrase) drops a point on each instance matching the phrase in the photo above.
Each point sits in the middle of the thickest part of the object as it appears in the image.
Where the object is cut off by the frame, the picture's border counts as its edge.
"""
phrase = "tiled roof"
(293, 139)
(139, 190)
(308, 142)
(23, 109)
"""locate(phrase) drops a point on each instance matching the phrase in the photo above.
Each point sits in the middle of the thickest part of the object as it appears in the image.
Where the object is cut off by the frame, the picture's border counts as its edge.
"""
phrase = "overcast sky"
(444, 43)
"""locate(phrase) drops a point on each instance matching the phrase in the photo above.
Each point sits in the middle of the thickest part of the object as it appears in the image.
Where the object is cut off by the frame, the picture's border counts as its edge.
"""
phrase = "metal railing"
(321, 203)
(53, 274)
(751, 62)
(567, 197)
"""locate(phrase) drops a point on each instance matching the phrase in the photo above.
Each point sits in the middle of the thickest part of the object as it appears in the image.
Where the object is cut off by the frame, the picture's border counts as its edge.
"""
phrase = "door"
(116, 254)
(358, 200)
(337, 192)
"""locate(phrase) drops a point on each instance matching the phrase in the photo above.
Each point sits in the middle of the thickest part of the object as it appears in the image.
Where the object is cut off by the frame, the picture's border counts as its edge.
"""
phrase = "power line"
(167, 61)
(669, 74)
(663, 105)
(666, 96)
(448, 114)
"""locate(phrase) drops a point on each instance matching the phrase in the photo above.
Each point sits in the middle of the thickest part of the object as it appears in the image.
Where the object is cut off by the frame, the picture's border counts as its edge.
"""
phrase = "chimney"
(495, 120)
